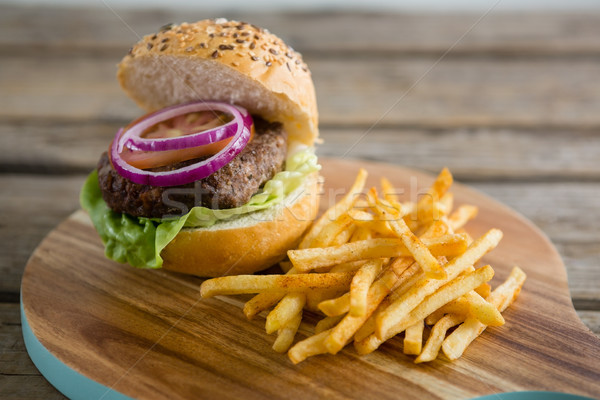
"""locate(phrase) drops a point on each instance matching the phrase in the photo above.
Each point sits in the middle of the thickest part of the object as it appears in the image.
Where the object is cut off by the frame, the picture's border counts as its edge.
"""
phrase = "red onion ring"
(188, 174)
(134, 142)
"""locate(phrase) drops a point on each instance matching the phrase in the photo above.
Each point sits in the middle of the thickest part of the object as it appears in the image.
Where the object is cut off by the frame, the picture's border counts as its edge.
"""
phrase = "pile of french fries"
(376, 267)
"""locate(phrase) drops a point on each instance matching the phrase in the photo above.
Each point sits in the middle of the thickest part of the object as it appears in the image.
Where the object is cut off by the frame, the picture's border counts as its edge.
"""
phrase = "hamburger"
(220, 177)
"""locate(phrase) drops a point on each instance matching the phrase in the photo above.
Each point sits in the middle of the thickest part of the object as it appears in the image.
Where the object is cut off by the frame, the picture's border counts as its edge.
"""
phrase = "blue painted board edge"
(68, 381)
(77, 386)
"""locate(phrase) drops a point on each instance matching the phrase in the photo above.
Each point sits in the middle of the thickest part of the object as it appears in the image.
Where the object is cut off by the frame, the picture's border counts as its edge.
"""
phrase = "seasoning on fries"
(377, 267)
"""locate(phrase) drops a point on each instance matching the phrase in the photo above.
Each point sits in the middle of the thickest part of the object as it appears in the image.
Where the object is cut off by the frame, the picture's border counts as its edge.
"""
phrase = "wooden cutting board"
(147, 333)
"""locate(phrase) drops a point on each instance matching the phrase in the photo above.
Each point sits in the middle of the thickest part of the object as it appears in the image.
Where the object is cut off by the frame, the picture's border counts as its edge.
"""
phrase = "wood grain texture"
(473, 154)
(147, 333)
(548, 205)
(556, 94)
(507, 34)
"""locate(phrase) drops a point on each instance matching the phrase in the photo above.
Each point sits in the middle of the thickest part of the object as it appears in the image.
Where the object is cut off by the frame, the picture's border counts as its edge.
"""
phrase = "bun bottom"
(247, 244)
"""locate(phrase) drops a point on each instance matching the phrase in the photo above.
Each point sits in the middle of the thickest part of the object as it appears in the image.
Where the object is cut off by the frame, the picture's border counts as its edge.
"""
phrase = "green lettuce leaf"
(139, 241)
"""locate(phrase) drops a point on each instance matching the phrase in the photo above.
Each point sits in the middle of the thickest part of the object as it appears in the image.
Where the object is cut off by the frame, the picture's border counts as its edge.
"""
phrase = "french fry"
(351, 266)
(314, 297)
(335, 211)
(376, 267)
(306, 260)
(263, 301)
(285, 266)
(327, 323)
(310, 346)
(361, 282)
(438, 189)
(369, 222)
(360, 233)
(287, 309)
(423, 211)
(457, 342)
(389, 192)
(399, 309)
(458, 306)
(413, 338)
(286, 334)
(414, 245)
(450, 291)
(447, 245)
(461, 216)
(338, 306)
(369, 326)
(331, 231)
(436, 229)
(444, 206)
(343, 332)
(484, 311)
(344, 236)
(244, 284)
(484, 290)
(457, 287)
(436, 337)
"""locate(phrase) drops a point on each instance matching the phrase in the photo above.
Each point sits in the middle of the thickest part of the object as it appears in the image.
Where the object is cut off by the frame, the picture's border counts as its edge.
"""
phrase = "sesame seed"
(212, 35)
(268, 63)
(273, 51)
(149, 46)
(225, 47)
(288, 66)
(223, 34)
(245, 33)
(298, 61)
(188, 49)
(202, 45)
(215, 54)
(165, 40)
(254, 58)
(252, 45)
(164, 47)
(235, 64)
(240, 40)
(288, 54)
(235, 35)
(256, 37)
(304, 69)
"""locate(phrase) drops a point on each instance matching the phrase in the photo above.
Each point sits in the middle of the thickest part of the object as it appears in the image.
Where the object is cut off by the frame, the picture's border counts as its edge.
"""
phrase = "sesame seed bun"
(228, 61)
(241, 64)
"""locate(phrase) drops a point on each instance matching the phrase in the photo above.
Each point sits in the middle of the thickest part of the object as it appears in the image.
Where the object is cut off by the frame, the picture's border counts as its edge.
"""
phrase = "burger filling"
(185, 168)
(231, 186)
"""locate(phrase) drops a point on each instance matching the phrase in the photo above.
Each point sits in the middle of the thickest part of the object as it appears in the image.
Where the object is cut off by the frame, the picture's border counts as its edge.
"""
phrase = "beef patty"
(231, 186)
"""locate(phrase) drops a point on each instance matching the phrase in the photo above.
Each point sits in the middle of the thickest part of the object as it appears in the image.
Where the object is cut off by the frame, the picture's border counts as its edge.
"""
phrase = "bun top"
(228, 61)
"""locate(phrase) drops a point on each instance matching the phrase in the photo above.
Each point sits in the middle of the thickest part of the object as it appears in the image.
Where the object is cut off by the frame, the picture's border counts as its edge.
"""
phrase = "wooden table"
(513, 109)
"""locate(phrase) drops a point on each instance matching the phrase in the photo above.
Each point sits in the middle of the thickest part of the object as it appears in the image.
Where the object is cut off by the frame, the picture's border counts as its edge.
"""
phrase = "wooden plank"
(471, 154)
(19, 378)
(31, 207)
(537, 341)
(565, 219)
(360, 92)
(591, 319)
(524, 34)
